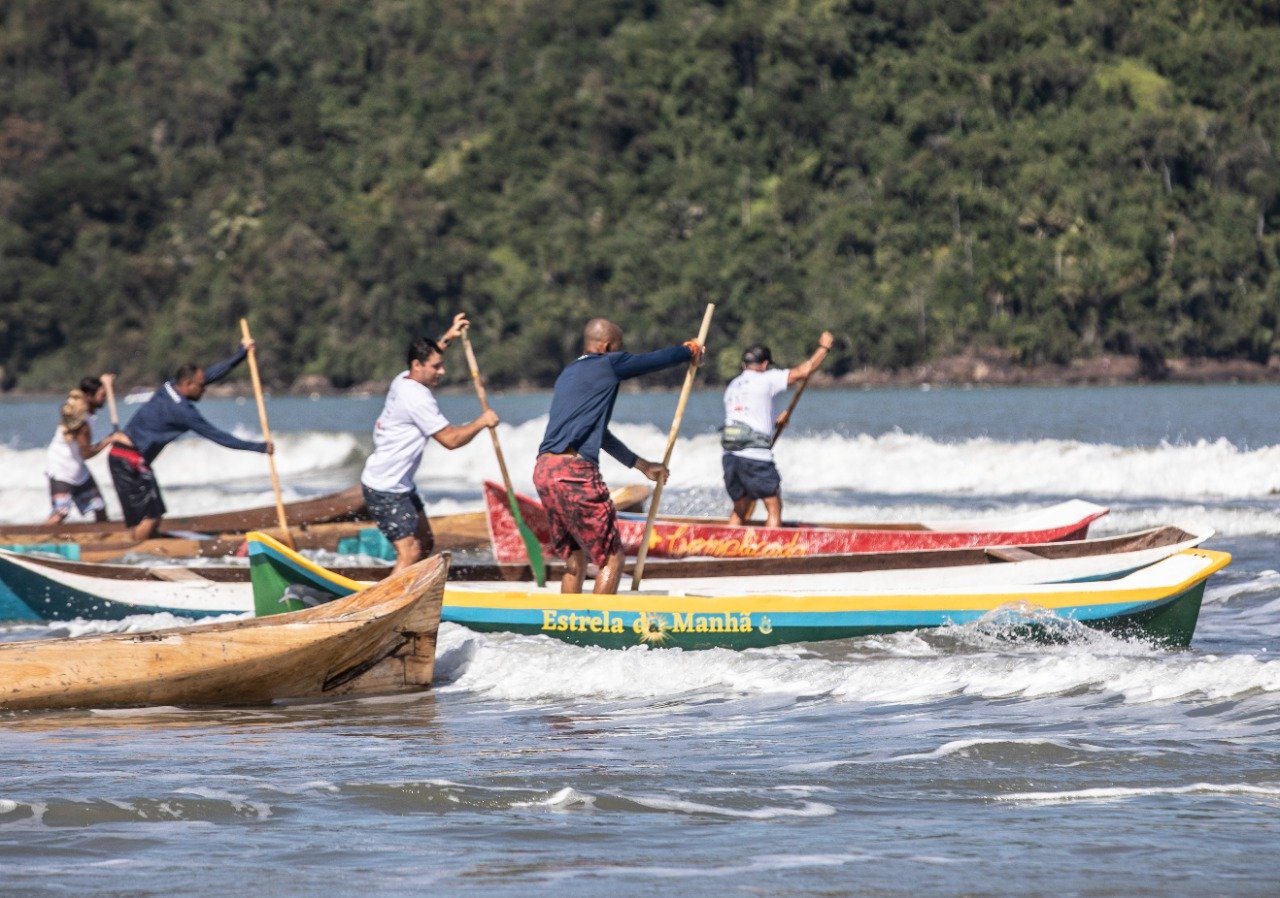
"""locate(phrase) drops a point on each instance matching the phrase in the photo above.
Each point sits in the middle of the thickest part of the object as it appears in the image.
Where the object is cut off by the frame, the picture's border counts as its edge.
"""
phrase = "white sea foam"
(1267, 581)
(755, 863)
(241, 805)
(889, 464)
(566, 799)
(805, 809)
(908, 464)
(1121, 793)
(538, 669)
(136, 623)
(959, 746)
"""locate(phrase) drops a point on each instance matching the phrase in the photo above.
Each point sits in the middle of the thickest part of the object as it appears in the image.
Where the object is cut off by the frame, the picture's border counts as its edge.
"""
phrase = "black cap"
(755, 354)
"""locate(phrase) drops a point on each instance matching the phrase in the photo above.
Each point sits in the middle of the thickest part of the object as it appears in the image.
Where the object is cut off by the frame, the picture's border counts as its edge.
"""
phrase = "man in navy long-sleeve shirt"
(567, 475)
(167, 415)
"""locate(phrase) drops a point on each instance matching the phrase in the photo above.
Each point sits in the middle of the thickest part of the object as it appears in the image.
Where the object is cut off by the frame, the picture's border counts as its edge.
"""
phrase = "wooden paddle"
(531, 545)
(638, 573)
(285, 536)
(785, 418)
(111, 403)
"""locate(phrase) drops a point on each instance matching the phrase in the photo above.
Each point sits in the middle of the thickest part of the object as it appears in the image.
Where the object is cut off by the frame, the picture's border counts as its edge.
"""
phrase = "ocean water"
(962, 761)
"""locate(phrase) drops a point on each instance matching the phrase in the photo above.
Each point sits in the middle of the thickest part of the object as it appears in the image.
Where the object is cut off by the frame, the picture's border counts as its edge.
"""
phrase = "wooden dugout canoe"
(678, 537)
(379, 641)
(456, 532)
(347, 505)
(752, 611)
(1160, 602)
(274, 567)
(43, 588)
(34, 587)
(462, 531)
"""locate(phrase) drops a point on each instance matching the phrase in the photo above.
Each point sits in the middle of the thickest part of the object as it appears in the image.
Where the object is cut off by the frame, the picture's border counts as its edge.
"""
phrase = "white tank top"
(63, 461)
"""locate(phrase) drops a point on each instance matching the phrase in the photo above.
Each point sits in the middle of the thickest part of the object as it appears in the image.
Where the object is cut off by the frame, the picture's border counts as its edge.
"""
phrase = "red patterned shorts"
(579, 509)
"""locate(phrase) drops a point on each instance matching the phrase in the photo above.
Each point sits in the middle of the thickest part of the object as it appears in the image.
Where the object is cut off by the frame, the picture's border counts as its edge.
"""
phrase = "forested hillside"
(1047, 178)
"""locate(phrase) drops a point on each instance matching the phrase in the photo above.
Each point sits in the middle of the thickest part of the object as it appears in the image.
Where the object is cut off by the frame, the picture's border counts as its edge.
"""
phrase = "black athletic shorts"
(747, 477)
(396, 514)
(135, 485)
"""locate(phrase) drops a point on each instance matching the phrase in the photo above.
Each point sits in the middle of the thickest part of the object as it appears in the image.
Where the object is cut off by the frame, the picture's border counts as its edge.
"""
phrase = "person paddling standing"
(167, 415)
(70, 482)
(410, 417)
(747, 437)
(581, 513)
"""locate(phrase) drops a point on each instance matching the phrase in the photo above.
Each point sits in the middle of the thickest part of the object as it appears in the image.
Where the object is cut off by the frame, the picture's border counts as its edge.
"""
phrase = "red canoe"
(679, 537)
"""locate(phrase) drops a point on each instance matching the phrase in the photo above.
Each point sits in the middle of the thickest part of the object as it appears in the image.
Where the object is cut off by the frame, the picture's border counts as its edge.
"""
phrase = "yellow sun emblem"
(653, 628)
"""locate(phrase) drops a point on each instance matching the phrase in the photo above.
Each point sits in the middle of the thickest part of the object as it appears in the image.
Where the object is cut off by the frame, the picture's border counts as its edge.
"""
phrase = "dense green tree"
(1051, 180)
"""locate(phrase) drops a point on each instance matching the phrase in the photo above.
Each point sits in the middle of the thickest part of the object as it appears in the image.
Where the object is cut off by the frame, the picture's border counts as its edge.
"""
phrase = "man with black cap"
(747, 437)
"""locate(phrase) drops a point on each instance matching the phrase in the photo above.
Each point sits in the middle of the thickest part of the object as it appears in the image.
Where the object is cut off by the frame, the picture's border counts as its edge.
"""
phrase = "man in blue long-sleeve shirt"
(167, 415)
(567, 474)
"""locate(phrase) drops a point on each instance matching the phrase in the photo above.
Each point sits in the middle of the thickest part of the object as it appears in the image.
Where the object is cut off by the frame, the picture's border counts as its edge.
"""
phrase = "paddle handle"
(638, 573)
(111, 403)
(785, 419)
(484, 406)
(281, 518)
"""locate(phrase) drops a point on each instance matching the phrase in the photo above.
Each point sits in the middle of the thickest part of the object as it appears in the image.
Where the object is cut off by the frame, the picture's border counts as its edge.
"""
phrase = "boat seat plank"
(178, 574)
(1012, 553)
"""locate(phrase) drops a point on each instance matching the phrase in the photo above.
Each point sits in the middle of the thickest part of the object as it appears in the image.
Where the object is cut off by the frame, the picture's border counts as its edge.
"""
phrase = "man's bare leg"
(742, 509)
(608, 577)
(412, 549)
(575, 570)
(146, 528)
(773, 508)
(408, 551)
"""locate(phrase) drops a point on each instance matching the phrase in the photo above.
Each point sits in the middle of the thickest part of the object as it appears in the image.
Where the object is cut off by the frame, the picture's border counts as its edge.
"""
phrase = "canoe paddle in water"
(531, 545)
(638, 573)
(285, 536)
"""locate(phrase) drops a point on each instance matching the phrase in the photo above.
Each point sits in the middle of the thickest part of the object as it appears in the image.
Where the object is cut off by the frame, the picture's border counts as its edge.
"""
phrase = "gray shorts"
(396, 514)
(747, 477)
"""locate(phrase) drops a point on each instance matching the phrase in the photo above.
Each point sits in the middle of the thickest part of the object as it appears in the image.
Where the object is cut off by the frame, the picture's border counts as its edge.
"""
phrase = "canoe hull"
(1166, 612)
(347, 505)
(48, 593)
(379, 641)
(1133, 604)
(685, 538)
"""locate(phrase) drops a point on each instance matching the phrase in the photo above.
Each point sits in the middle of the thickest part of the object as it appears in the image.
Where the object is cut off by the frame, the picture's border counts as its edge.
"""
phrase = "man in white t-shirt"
(749, 470)
(409, 418)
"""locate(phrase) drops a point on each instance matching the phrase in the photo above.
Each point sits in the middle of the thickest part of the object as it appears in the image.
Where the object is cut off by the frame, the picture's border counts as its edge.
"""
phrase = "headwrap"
(75, 411)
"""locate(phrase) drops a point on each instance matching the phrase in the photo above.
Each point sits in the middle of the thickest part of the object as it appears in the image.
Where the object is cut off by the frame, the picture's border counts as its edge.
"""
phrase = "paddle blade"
(531, 544)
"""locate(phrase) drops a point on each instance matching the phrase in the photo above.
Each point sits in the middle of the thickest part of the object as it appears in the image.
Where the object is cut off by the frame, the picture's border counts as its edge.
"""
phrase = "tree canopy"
(1049, 178)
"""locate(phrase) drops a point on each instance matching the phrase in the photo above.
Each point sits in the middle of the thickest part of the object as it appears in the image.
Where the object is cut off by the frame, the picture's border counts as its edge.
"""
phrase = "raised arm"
(218, 370)
(810, 365)
(625, 365)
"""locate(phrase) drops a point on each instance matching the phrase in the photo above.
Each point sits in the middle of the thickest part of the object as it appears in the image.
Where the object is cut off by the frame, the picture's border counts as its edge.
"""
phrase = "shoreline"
(965, 370)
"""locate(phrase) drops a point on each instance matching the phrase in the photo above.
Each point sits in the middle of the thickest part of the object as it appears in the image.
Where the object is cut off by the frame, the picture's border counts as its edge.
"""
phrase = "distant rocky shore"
(995, 369)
